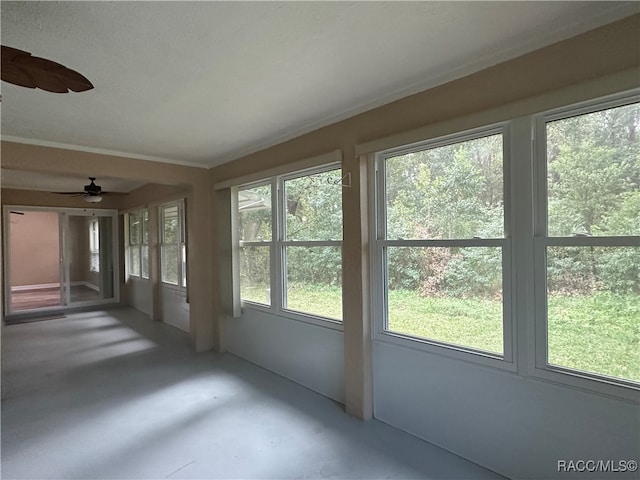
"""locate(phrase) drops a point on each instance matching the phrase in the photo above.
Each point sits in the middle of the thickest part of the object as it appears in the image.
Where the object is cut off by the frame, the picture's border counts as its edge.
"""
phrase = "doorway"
(34, 242)
(59, 258)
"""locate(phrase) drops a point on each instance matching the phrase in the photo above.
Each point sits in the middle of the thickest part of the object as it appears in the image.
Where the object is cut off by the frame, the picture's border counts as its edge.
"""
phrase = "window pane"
(134, 228)
(170, 230)
(455, 191)
(183, 260)
(594, 309)
(451, 295)
(254, 208)
(94, 246)
(134, 261)
(593, 165)
(254, 274)
(94, 236)
(145, 226)
(169, 254)
(314, 206)
(145, 261)
(95, 262)
(314, 280)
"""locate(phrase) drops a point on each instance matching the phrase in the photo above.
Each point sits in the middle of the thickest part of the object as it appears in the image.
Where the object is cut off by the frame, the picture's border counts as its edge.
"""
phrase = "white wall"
(139, 294)
(308, 354)
(516, 426)
(174, 308)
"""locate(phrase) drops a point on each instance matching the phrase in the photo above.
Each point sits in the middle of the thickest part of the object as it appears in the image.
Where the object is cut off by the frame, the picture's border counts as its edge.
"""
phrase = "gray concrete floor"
(109, 394)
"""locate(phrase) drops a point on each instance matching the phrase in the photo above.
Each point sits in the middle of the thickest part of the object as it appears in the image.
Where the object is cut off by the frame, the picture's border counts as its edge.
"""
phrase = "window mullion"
(578, 241)
(277, 254)
(463, 242)
(176, 245)
(538, 357)
(521, 157)
(260, 243)
(311, 243)
(376, 237)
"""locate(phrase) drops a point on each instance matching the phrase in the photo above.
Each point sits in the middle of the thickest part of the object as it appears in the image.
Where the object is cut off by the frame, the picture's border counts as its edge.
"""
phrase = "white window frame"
(137, 246)
(144, 244)
(179, 244)
(94, 245)
(256, 243)
(586, 380)
(379, 243)
(278, 244)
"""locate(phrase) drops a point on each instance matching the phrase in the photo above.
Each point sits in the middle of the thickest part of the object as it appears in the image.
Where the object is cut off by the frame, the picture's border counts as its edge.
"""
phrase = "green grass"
(255, 293)
(468, 322)
(599, 334)
(323, 300)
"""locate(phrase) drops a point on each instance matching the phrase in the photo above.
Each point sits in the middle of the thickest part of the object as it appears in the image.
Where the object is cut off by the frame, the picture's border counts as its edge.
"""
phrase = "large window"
(138, 244)
(172, 244)
(588, 241)
(440, 245)
(290, 243)
(517, 246)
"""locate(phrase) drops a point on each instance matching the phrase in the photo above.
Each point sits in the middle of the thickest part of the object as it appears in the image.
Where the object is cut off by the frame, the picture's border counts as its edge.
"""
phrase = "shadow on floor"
(111, 394)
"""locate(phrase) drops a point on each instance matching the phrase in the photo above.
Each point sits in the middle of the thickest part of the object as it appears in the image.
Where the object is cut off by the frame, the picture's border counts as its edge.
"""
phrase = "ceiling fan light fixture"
(93, 198)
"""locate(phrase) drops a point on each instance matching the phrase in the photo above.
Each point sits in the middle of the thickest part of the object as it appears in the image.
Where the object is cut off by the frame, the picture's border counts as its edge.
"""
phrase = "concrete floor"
(109, 394)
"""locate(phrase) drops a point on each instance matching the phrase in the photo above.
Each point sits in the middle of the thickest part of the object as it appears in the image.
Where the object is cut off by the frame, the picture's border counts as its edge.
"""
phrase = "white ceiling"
(203, 83)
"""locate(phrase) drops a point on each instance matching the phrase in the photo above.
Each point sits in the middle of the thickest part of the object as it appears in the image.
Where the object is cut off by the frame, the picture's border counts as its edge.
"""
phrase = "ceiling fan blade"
(9, 53)
(52, 76)
(69, 193)
(23, 69)
(16, 213)
(17, 76)
(44, 80)
(36, 63)
(74, 80)
(43, 72)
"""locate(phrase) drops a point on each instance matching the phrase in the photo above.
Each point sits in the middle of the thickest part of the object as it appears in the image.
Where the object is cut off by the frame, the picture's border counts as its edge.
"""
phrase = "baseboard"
(88, 285)
(44, 286)
(40, 286)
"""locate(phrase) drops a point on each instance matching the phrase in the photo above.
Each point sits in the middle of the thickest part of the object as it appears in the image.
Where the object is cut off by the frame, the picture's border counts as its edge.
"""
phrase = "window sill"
(323, 322)
(174, 287)
(476, 357)
(576, 380)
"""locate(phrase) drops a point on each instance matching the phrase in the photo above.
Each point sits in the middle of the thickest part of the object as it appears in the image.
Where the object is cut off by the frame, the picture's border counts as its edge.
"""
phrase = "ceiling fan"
(92, 193)
(21, 68)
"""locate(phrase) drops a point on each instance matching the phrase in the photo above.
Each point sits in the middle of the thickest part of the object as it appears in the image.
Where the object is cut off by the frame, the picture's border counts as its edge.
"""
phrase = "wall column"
(204, 330)
(154, 262)
(358, 385)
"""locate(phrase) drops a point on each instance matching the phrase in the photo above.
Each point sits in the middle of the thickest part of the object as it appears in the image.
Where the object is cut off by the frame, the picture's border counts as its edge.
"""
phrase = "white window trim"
(541, 368)
(138, 246)
(131, 246)
(277, 245)
(179, 244)
(506, 361)
(144, 243)
(237, 244)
